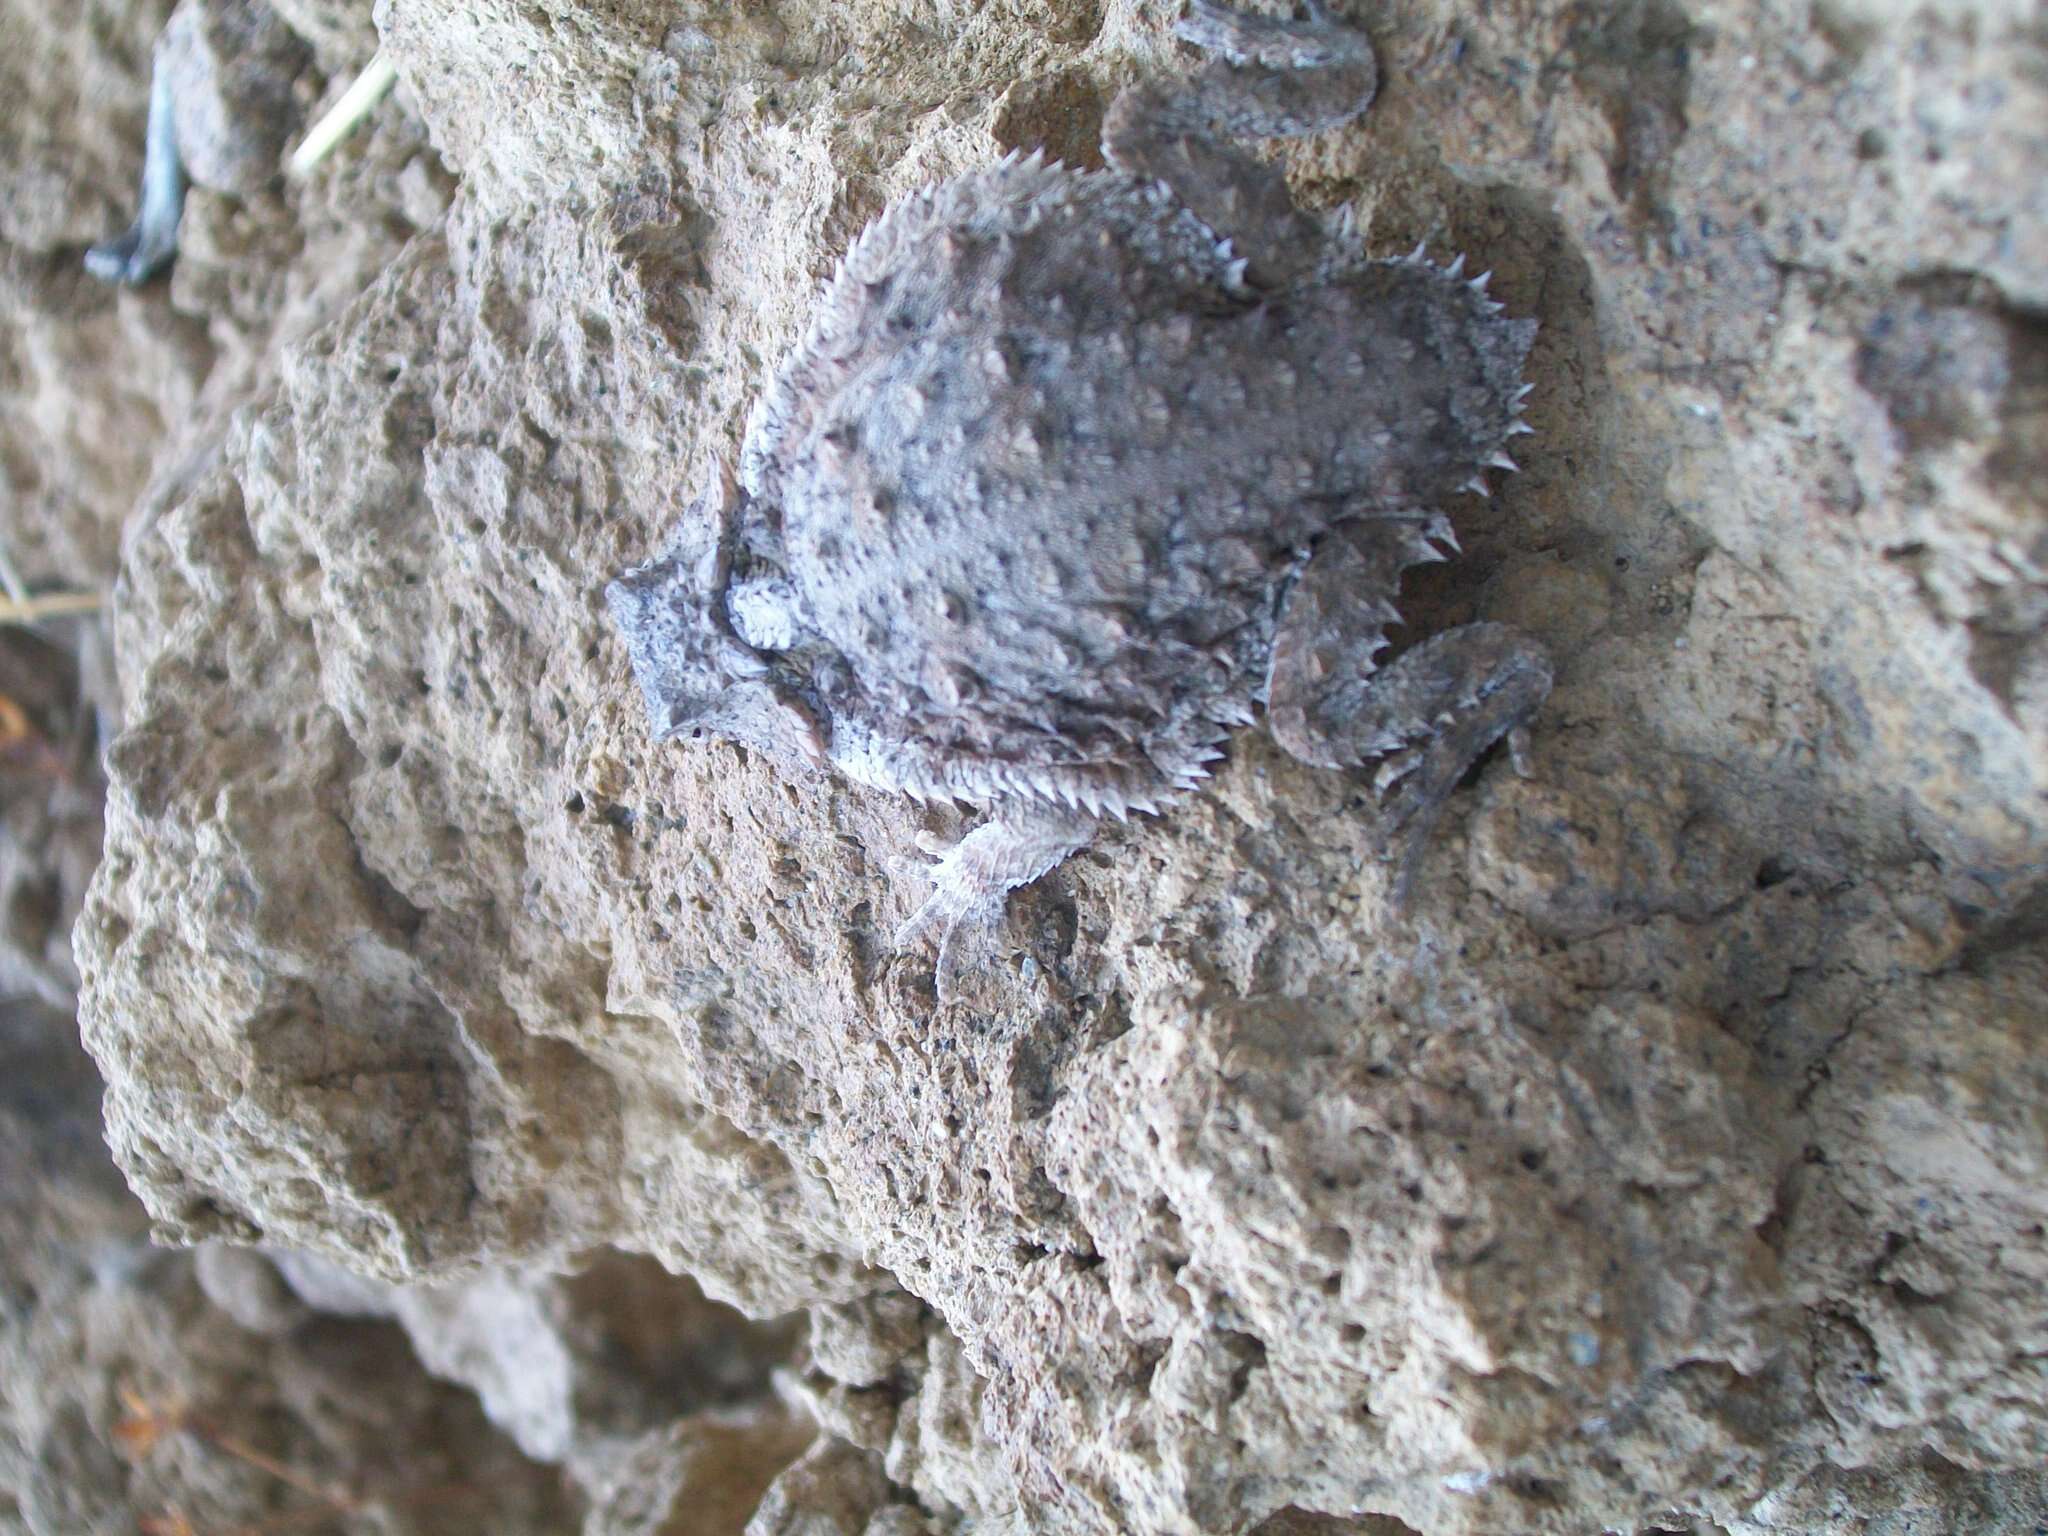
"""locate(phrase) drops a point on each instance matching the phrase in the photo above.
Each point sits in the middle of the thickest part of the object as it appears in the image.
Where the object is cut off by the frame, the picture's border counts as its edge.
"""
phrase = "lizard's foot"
(973, 878)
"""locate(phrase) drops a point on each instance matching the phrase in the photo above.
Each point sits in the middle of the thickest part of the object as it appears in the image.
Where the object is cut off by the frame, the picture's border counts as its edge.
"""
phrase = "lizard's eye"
(697, 734)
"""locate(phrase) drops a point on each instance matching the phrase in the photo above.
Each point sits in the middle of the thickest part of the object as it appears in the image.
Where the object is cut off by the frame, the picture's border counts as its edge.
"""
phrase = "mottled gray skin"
(220, 111)
(1073, 471)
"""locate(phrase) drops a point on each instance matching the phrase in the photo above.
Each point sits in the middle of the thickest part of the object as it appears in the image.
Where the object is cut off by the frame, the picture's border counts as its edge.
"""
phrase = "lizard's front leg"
(973, 879)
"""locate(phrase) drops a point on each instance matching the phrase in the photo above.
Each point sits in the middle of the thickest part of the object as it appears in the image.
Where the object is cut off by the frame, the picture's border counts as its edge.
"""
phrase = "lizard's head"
(700, 678)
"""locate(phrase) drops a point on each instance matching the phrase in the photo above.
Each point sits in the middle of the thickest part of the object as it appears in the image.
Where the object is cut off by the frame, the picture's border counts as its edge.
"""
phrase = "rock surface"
(572, 1368)
(1679, 1154)
(129, 1400)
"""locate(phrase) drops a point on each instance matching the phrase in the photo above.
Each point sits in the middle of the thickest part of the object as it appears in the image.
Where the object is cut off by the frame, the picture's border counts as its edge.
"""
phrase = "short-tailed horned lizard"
(1074, 470)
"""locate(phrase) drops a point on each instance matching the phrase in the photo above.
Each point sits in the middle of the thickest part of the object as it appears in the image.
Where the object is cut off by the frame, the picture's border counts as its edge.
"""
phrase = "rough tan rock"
(1681, 1140)
(76, 80)
(704, 1475)
(1923, 1496)
(148, 1390)
(569, 1366)
(235, 66)
(109, 390)
(126, 1397)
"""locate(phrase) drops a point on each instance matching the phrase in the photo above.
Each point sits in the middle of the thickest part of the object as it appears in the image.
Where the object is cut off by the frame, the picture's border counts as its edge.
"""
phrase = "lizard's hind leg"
(1427, 715)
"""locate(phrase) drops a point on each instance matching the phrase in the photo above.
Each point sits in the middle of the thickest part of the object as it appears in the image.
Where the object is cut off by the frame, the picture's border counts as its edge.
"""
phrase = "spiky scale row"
(1453, 270)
